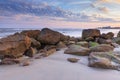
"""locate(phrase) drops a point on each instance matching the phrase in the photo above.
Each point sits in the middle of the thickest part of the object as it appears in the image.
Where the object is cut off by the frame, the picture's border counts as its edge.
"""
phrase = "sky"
(59, 13)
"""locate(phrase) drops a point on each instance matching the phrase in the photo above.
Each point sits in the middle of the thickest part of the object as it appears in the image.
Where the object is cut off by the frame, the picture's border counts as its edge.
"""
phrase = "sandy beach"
(56, 67)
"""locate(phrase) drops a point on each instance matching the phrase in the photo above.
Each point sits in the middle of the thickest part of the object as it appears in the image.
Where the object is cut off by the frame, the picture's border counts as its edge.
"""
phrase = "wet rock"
(61, 45)
(117, 40)
(83, 44)
(105, 60)
(35, 43)
(14, 45)
(102, 48)
(87, 33)
(9, 61)
(115, 45)
(31, 33)
(93, 44)
(48, 50)
(31, 52)
(48, 36)
(89, 39)
(118, 35)
(77, 50)
(25, 62)
(109, 35)
(73, 60)
(104, 41)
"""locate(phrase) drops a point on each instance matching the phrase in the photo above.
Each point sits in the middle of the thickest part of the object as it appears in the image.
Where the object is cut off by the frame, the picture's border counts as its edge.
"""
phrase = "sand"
(56, 67)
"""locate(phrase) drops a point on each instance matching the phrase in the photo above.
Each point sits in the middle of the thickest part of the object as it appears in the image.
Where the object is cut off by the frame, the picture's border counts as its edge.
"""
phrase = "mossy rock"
(93, 44)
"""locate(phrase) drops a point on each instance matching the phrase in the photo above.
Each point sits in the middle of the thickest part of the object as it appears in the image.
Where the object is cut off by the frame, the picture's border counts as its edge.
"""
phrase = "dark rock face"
(14, 45)
(48, 36)
(102, 48)
(31, 33)
(90, 33)
(77, 50)
(109, 35)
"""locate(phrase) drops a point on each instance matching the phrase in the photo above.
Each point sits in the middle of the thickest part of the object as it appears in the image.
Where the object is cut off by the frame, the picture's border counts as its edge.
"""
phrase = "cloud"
(13, 7)
(26, 12)
(103, 9)
(108, 1)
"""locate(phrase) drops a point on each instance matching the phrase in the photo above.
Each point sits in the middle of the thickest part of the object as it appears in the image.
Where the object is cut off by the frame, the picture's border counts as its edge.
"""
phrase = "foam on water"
(117, 49)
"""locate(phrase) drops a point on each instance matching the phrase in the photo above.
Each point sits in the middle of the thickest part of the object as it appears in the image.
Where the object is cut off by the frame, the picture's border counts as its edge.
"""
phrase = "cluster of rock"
(31, 43)
(98, 47)
(36, 44)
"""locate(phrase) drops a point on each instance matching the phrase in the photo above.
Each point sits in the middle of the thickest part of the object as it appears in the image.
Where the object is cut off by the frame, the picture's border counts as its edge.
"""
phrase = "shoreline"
(50, 55)
(56, 67)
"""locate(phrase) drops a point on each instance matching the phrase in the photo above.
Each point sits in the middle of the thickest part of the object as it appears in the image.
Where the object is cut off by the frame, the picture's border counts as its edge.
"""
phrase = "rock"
(89, 39)
(61, 45)
(77, 50)
(115, 45)
(39, 55)
(102, 48)
(31, 33)
(35, 43)
(48, 50)
(83, 44)
(87, 33)
(9, 61)
(109, 35)
(73, 39)
(93, 44)
(30, 52)
(25, 62)
(104, 41)
(14, 45)
(117, 40)
(48, 36)
(73, 60)
(71, 42)
(118, 35)
(64, 38)
(104, 60)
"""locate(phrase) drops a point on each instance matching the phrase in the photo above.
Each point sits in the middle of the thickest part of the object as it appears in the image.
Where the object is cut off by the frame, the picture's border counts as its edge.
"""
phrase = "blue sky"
(59, 13)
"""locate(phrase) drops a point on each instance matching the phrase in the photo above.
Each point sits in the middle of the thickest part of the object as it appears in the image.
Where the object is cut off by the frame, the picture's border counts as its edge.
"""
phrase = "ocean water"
(71, 32)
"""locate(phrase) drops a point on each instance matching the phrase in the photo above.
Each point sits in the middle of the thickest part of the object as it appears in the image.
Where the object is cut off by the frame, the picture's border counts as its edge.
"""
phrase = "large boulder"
(106, 60)
(77, 50)
(14, 45)
(90, 33)
(109, 35)
(102, 48)
(48, 36)
(31, 33)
